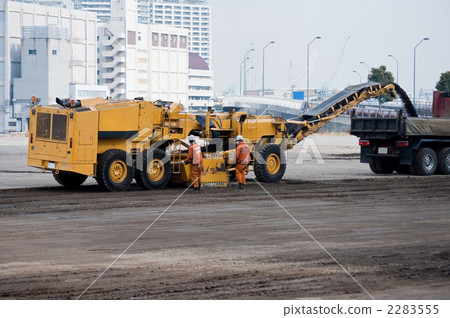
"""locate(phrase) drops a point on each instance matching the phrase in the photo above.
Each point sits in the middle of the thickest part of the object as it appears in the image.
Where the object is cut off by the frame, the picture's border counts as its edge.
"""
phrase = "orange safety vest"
(242, 154)
(194, 155)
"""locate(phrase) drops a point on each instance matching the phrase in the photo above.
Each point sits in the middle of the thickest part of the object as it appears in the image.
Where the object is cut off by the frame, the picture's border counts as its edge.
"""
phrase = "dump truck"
(116, 141)
(404, 142)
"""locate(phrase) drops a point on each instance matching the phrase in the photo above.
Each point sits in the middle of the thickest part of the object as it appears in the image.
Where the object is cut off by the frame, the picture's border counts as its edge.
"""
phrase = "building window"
(32, 52)
(139, 38)
(183, 42)
(132, 37)
(174, 41)
(164, 40)
(155, 39)
(54, 52)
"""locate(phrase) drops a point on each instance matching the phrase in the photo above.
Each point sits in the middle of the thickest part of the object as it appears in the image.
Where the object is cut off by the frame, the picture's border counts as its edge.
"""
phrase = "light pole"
(251, 68)
(240, 75)
(245, 67)
(390, 55)
(360, 78)
(414, 80)
(307, 68)
(271, 42)
(368, 69)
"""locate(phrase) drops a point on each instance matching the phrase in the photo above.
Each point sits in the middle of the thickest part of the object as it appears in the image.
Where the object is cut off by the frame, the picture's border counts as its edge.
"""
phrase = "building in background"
(193, 15)
(201, 83)
(142, 60)
(79, 28)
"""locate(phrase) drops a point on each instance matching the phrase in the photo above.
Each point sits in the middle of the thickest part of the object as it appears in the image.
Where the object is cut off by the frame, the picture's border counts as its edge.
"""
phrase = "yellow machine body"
(93, 138)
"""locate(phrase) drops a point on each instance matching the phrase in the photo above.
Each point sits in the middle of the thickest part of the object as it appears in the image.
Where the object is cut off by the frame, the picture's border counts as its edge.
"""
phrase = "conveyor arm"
(311, 121)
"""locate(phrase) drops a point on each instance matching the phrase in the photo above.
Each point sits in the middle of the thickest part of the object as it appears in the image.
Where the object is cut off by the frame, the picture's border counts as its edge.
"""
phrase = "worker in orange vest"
(242, 160)
(195, 158)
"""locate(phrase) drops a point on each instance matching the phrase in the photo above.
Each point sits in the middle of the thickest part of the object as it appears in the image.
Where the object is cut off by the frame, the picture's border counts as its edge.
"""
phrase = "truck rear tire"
(155, 171)
(444, 161)
(382, 166)
(270, 163)
(113, 173)
(425, 162)
(69, 179)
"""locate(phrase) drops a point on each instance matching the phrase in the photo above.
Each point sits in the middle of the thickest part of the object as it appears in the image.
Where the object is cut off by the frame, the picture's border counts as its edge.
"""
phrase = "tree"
(381, 75)
(444, 82)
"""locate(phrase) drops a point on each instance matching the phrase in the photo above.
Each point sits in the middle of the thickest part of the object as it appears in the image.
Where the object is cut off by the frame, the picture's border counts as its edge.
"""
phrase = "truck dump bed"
(387, 128)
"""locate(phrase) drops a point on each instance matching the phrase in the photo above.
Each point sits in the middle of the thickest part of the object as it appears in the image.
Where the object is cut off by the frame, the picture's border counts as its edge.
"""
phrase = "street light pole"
(360, 78)
(414, 80)
(245, 67)
(368, 69)
(390, 55)
(307, 69)
(240, 76)
(271, 42)
(251, 68)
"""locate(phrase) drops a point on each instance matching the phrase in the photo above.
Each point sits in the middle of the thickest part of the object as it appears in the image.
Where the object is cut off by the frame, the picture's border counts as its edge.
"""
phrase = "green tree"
(382, 75)
(444, 82)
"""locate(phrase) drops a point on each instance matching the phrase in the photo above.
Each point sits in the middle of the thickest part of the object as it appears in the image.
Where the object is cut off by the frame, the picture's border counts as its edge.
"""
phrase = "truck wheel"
(444, 161)
(156, 172)
(113, 173)
(270, 163)
(69, 179)
(382, 166)
(425, 162)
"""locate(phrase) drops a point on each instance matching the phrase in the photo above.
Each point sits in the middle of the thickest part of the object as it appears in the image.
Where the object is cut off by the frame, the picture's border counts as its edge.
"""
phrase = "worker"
(242, 160)
(195, 158)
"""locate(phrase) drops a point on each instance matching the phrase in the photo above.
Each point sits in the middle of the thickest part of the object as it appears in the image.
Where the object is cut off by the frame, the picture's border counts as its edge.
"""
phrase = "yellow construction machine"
(116, 141)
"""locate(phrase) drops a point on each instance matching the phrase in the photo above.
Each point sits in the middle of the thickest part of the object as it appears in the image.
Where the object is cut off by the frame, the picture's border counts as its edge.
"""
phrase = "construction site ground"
(288, 240)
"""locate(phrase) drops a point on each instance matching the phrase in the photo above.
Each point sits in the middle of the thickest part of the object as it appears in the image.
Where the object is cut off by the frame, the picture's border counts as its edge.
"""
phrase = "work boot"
(241, 186)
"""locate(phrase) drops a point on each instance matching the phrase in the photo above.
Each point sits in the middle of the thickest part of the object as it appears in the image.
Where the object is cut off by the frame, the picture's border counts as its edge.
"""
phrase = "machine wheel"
(382, 166)
(270, 163)
(425, 162)
(444, 161)
(69, 179)
(156, 172)
(113, 174)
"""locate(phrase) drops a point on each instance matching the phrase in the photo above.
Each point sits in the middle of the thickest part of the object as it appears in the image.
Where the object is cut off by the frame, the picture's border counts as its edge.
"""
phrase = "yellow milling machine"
(116, 141)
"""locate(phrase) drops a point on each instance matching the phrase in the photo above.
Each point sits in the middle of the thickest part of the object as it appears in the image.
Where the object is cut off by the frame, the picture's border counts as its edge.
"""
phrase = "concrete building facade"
(193, 15)
(81, 45)
(142, 60)
(201, 83)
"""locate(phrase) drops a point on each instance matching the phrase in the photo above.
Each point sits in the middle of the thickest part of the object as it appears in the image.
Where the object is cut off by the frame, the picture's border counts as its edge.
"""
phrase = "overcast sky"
(388, 27)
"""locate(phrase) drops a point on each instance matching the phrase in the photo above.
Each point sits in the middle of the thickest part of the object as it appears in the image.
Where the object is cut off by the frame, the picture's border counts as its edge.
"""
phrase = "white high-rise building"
(142, 60)
(193, 15)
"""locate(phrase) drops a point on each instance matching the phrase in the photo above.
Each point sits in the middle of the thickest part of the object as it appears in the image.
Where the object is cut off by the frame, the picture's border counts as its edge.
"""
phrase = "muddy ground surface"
(390, 233)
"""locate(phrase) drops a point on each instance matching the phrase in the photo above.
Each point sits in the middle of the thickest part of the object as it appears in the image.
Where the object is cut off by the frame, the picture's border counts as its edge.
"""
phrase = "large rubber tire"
(158, 177)
(425, 162)
(373, 167)
(113, 174)
(382, 166)
(444, 161)
(69, 179)
(270, 163)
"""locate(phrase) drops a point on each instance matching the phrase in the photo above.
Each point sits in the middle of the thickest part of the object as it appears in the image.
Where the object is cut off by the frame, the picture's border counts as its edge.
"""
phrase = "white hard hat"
(191, 138)
(239, 137)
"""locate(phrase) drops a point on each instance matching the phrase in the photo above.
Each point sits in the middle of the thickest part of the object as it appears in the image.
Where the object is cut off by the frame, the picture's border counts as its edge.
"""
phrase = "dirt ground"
(389, 232)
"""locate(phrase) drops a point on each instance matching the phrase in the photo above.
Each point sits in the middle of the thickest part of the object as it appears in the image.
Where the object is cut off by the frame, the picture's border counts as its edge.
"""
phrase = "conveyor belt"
(337, 104)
